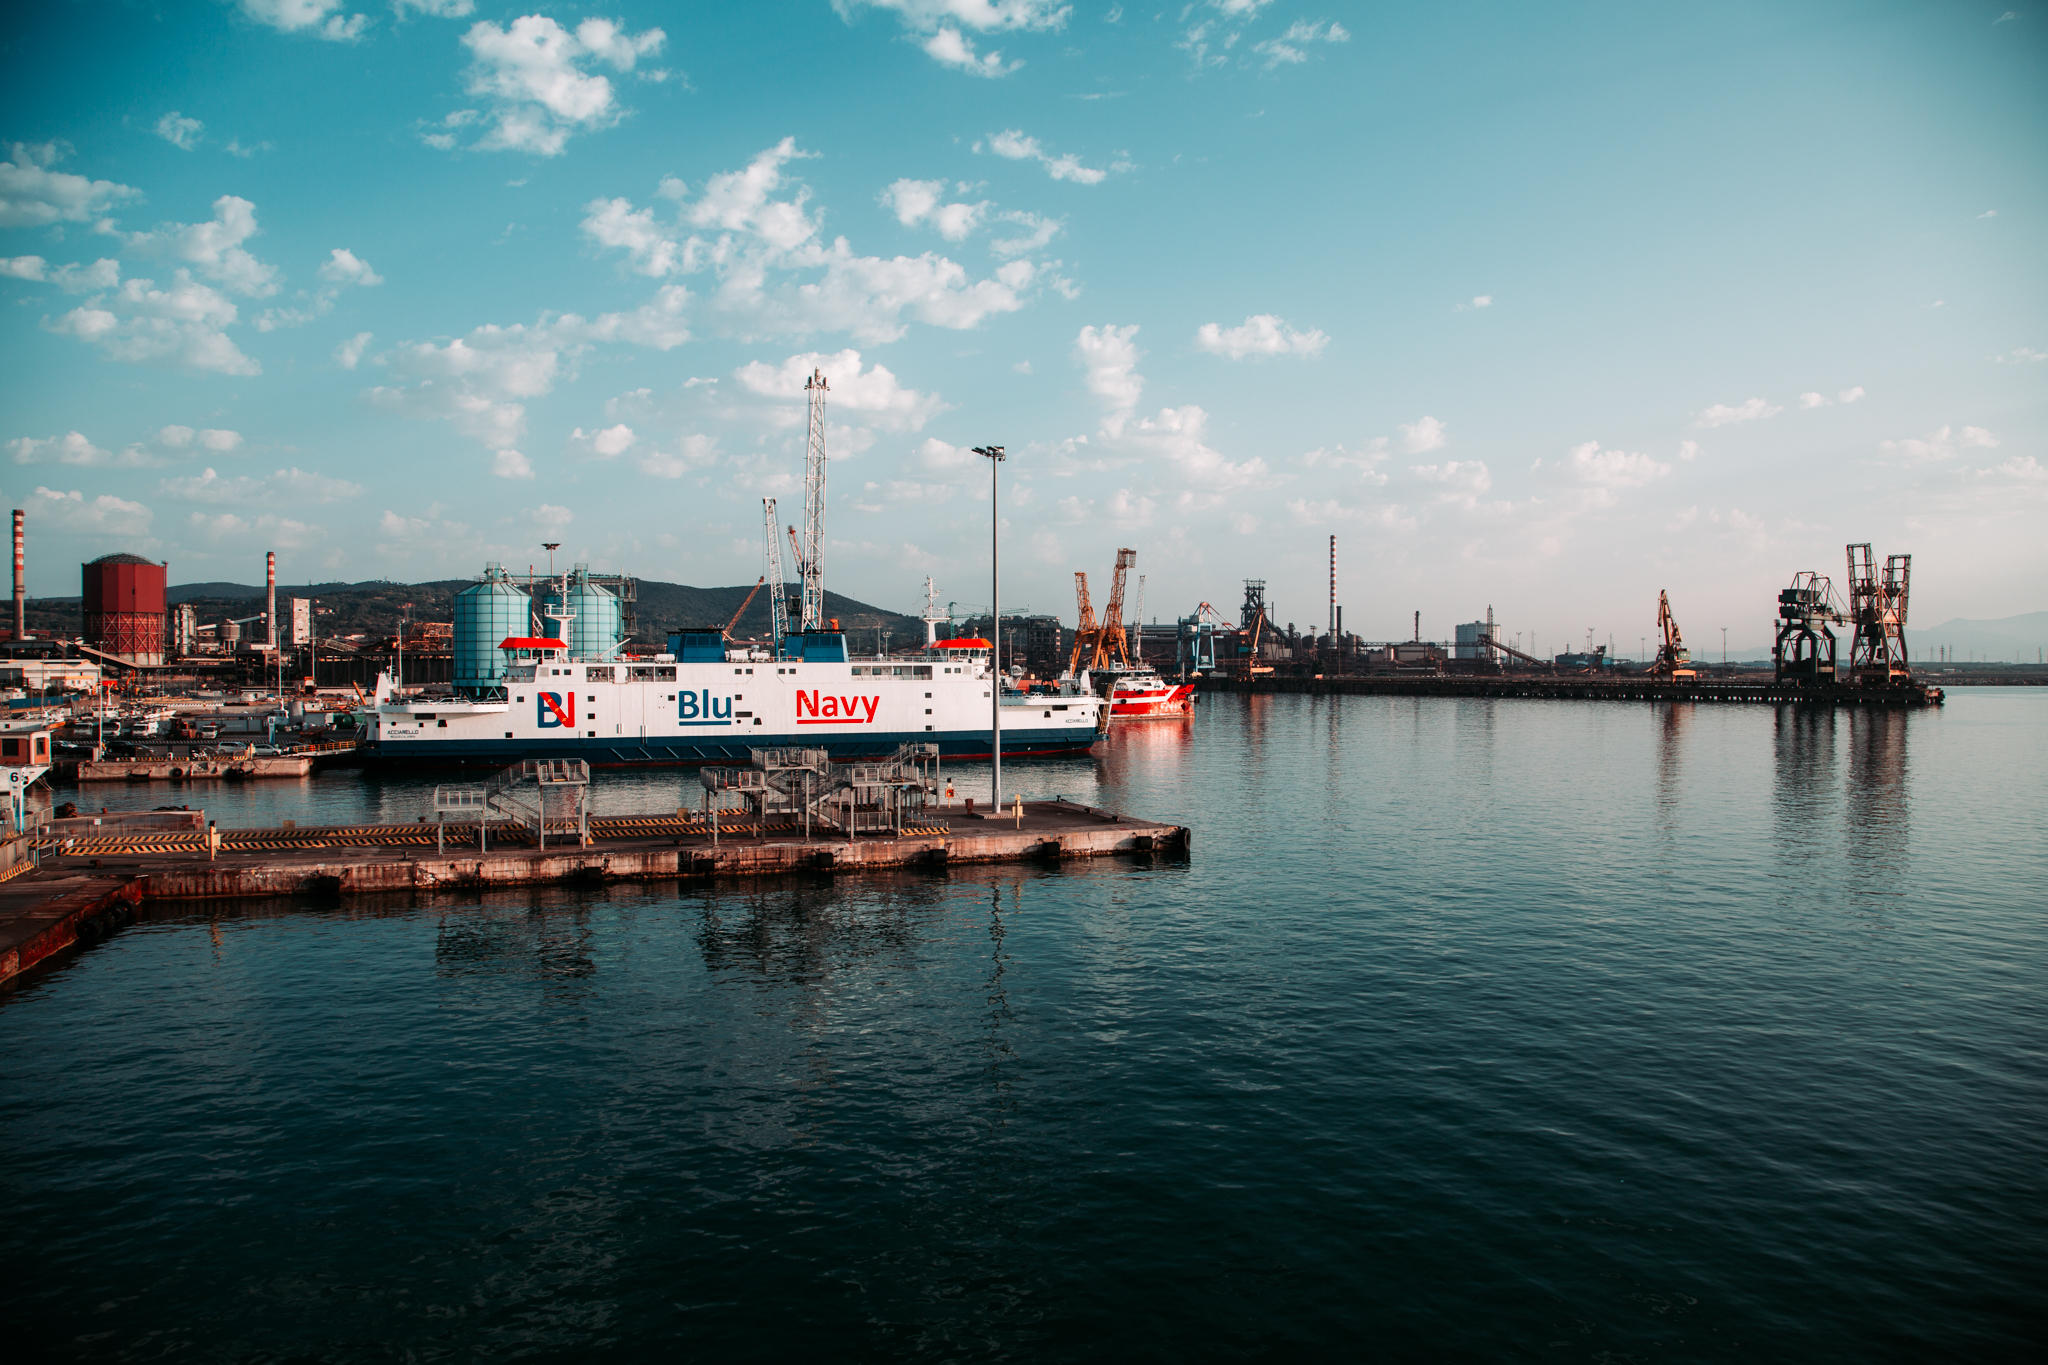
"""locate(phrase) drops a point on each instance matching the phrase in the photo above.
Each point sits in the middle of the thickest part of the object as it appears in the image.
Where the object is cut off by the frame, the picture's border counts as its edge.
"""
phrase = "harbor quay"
(82, 880)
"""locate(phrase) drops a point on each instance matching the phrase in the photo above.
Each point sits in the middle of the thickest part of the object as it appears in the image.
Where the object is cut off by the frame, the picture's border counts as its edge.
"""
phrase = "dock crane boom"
(748, 602)
(1115, 645)
(1087, 634)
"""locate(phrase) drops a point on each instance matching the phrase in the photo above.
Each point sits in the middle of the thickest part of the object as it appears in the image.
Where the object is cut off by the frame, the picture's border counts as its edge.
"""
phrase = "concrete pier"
(186, 769)
(86, 879)
(1569, 687)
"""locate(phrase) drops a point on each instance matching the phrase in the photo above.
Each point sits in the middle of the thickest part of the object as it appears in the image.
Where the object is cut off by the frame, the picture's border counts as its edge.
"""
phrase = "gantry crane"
(1877, 611)
(1673, 659)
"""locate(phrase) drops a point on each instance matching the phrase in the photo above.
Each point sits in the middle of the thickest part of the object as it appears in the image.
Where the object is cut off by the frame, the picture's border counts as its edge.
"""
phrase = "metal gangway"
(792, 785)
(534, 793)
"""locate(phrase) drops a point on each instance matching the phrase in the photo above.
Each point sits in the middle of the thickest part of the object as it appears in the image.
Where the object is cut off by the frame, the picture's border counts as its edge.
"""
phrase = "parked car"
(266, 751)
(233, 748)
(209, 731)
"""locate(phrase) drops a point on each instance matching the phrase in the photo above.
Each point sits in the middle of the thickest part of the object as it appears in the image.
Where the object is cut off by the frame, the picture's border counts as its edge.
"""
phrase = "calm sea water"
(1470, 1030)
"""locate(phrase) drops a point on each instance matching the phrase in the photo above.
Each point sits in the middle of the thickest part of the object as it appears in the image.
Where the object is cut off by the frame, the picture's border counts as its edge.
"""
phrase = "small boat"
(1141, 694)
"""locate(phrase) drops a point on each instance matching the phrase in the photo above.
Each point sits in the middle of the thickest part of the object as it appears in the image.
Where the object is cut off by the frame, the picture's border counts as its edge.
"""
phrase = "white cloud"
(1688, 449)
(183, 438)
(1035, 232)
(2024, 467)
(549, 516)
(1589, 464)
(510, 464)
(142, 325)
(440, 9)
(1721, 415)
(875, 394)
(1462, 479)
(1111, 356)
(1012, 144)
(604, 444)
(920, 201)
(950, 47)
(104, 273)
(215, 248)
(2023, 356)
(650, 248)
(104, 515)
(775, 278)
(343, 267)
(1943, 443)
(480, 382)
(1291, 47)
(74, 449)
(694, 453)
(350, 352)
(295, 485)
(181, 132)
(1850, 395)
(532, 72)
(1813, 400)
(1260, 334)
(33, 195)
(322, 17)
(1177, 436)
(1482, 301)
(1421, 437)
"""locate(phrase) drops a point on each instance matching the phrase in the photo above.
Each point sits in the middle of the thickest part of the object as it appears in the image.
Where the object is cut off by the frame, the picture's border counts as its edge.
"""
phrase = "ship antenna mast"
(812, 560)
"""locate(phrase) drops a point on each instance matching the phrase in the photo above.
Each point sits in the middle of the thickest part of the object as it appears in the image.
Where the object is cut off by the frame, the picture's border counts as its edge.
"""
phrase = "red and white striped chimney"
(270, 595)
(20, 585)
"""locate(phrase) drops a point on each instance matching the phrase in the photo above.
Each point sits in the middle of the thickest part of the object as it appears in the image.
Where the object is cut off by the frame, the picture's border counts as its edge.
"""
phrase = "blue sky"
(1541, 307)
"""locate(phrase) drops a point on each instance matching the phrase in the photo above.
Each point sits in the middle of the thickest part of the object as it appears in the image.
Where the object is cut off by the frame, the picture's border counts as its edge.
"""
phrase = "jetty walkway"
(91, 880)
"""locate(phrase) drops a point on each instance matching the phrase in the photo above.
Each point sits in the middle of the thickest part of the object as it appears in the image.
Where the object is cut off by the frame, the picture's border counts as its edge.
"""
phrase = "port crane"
(1673, 659)
(1087, 633)
(748, 601)
(1103, 643)
(1877, 613)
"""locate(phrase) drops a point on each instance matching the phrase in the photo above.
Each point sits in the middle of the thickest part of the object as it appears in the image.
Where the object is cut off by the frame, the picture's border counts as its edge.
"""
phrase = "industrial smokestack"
(270, 595)
(20, 587)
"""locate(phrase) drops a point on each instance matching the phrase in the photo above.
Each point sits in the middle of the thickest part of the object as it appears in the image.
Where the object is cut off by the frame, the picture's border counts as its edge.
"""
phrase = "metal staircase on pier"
(875, 797)
(539, 794)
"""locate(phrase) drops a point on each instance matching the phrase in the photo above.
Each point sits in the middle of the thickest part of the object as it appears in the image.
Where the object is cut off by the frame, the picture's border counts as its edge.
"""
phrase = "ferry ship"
(706, 703)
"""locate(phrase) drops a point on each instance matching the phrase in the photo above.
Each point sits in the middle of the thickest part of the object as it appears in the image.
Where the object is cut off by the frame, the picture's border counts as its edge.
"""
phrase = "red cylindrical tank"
(124, 607)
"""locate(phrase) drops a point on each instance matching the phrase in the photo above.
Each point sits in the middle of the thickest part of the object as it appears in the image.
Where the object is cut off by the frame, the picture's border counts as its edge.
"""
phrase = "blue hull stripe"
(686, 751)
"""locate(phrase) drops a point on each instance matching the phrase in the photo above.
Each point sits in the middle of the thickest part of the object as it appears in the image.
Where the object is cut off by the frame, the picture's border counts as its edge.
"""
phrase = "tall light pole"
(1724, 646)
(994, 456)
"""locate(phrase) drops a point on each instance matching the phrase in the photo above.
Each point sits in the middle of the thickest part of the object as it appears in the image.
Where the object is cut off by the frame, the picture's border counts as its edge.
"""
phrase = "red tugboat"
(1144, 695)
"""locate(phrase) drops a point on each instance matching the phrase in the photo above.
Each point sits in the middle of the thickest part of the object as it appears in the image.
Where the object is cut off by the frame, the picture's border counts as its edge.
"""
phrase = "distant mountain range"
(373, 608)
(2010, 639)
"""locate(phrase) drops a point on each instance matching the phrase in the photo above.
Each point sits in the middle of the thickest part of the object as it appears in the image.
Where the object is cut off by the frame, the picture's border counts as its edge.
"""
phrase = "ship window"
(10, 748)
(508, 734)
(735, 672)
(750, 672)
(519, 699)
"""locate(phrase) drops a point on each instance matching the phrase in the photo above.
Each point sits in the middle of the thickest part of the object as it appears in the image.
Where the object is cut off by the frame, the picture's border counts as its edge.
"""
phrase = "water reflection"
(1875, 807)
(998, 1051)
(550, 943)
(1803, 788)
(1672, 726)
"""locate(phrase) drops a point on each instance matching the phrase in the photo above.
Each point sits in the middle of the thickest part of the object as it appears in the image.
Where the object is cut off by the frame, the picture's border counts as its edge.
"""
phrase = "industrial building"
(124, 609)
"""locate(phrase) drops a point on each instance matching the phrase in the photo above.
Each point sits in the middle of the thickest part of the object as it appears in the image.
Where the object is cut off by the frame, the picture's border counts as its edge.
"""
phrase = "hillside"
(372, 608)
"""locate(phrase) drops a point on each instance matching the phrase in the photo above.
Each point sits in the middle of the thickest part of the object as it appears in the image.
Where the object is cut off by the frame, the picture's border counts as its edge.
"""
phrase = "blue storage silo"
(484, 616)
(598, 627)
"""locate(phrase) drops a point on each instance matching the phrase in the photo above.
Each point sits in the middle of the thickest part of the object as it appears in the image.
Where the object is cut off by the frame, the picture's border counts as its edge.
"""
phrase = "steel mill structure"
(124, 608)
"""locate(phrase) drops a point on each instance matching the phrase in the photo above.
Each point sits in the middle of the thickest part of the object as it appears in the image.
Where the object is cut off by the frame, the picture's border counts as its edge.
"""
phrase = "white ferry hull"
(665, 715)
